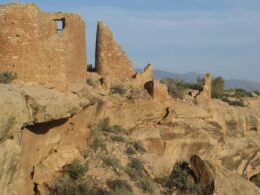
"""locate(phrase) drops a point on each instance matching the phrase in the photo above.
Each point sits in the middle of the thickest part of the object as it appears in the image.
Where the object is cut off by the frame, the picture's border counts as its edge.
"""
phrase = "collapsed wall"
(111, 60)
(44, 48)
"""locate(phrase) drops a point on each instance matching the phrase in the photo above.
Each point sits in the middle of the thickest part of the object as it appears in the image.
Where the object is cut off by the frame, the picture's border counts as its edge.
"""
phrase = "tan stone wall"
(111, 60)
(158, 90)
(204, 97)
(140, 79)
(31, 46)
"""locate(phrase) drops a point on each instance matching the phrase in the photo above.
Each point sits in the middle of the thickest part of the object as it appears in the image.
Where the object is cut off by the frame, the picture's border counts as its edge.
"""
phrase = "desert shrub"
(135, 169)
(118, 89)
(7, 77)
(241, 93)
(179, 178)
(111, 161)
(130, 150)
(217, 90)
(104, 126)
(256, 180)
(232, 125)
(76, 169)
(122, 191)
(177, 88)
(118, 138)
(118, 184)
(98, 143)
(233, 102)
(138, 146)
(66, 186)
(147, 185)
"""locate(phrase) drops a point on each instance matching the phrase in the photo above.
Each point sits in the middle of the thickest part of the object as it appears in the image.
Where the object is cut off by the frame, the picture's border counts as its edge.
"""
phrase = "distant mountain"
(192, 76)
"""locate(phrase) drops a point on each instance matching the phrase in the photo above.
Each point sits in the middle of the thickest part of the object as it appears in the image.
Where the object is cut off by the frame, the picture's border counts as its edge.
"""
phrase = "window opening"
(60, 24)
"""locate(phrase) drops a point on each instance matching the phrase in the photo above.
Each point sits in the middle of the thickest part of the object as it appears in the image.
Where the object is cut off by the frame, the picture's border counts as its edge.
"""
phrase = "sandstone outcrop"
(27, 105)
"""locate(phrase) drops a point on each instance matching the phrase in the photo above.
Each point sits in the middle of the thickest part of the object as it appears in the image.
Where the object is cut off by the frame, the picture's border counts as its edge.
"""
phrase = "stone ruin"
(111, 60)
(204, 97)
(113, 64)
(50, 49)
(44, 48)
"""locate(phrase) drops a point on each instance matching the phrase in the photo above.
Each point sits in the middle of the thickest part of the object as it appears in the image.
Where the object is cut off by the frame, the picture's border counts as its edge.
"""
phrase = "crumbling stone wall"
(111, 60)
(143, 77)
(38, 50)
(157, 90)
(204, 97)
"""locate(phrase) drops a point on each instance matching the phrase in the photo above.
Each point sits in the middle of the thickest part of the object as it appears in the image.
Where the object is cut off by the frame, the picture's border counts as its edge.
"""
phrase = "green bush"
(111, 161)
(7, 77)
(118, 89)
(179, 177)
(135, 169)
(66, 186)
(241, 93)
(118, 184)
(98, 143)
(118, 138)
(217, 89)
(176, 88)
(147, 185)
(122, 191)
(105, 126)
(76, 169)
(233, 102)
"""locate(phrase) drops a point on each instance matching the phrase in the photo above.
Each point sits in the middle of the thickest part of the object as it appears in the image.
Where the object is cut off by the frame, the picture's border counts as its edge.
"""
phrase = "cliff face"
(26, 115)
(50, 129)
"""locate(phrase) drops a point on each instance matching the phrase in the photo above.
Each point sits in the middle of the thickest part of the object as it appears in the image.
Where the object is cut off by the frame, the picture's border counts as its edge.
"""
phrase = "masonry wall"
(111, 60)
(204, 97)
(31, 46)
(140, 79)
(158, 90)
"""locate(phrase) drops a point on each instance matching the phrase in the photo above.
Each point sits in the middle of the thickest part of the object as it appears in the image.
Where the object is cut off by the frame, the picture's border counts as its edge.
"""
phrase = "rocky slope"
(42, 131)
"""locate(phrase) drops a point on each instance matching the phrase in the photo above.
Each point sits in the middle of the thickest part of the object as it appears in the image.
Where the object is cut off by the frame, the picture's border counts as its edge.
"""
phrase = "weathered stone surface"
(26, 105)
(9, 160)
(158, 90)
(202, 175)
(111, 60)
(39, 50)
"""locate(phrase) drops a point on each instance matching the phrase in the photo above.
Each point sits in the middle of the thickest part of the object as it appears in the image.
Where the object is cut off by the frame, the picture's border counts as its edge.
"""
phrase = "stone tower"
(43, 48)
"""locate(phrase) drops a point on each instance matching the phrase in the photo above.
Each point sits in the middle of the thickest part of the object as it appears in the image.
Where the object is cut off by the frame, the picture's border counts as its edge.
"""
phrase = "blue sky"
(218, 36)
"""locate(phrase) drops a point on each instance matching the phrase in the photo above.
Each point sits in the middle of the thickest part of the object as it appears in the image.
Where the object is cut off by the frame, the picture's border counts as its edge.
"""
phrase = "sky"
(217, 36)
